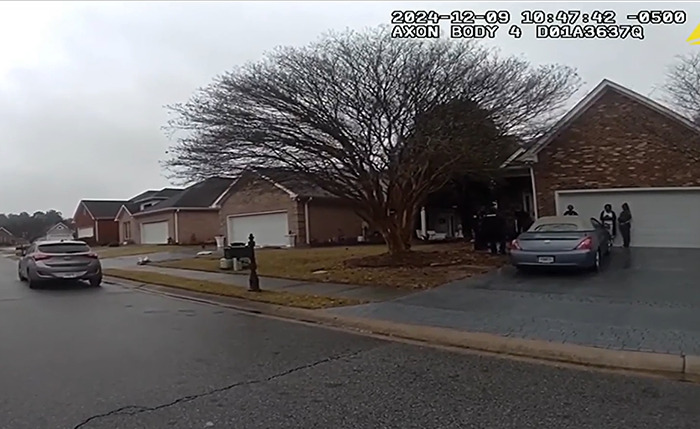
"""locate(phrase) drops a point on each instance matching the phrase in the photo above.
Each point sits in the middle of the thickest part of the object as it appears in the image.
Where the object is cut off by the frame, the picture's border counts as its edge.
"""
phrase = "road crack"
(132, 410)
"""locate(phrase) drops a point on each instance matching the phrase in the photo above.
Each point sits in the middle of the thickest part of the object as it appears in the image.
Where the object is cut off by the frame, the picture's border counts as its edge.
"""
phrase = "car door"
(23, 260)
(602, 233)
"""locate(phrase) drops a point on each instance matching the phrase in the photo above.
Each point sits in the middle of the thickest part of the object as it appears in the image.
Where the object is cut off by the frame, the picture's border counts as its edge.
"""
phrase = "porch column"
(423, 222)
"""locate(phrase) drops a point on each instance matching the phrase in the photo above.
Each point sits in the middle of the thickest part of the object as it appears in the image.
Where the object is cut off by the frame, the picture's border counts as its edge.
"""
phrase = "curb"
(687, 366)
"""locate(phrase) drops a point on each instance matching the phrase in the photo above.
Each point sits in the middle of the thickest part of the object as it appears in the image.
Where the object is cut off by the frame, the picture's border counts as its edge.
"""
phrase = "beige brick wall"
(123, 220)
(618, 143)
(327, 220)
(156, 217)
(203, 224)
(258, 196)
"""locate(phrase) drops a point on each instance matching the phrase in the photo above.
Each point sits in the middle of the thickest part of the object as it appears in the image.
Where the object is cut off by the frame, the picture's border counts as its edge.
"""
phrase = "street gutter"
(685, 367)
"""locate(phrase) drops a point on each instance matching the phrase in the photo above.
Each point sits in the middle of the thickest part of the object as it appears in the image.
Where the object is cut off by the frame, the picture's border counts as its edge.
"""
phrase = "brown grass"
(134, 249)
(235, 291)
(428, 266)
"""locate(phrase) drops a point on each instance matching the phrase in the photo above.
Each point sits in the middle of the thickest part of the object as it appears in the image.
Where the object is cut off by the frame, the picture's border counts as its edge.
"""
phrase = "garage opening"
(154, 233)
(661, 217)
(269, 229)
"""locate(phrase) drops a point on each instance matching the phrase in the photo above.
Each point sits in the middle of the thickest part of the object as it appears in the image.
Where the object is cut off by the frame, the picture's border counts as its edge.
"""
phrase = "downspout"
(177, 227)
(306, 220)
(97, 232)
(534, 192)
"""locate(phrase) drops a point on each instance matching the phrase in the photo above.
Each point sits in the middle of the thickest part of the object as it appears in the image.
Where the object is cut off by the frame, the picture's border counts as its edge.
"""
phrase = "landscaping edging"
(687, 367)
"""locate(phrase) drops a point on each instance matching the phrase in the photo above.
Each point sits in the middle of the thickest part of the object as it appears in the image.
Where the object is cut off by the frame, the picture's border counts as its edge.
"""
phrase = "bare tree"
(682, 85)
(376, 121)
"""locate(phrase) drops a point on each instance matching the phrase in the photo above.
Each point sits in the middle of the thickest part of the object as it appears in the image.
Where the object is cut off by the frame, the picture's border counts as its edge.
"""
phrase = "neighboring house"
(7, 238)
(280, 211)
(189, 216)
(617, 146)
(128, 229)
(60, 231)
(95, 219)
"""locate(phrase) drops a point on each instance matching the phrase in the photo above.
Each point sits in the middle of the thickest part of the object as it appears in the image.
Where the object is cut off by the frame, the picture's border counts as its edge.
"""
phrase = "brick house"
(95, 219)
(617, 146)
(186, 216)
(280, 211)
(7, 238)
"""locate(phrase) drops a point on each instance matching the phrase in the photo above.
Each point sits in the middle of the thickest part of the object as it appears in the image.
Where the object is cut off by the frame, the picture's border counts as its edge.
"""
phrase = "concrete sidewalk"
(333, 290)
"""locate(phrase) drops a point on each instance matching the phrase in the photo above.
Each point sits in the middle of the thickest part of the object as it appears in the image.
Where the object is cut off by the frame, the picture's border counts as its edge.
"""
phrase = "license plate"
(70, 276)
(545, 259)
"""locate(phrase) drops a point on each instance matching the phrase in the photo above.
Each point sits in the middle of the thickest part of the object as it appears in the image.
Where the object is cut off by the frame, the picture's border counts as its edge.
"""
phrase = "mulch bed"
(458, 254)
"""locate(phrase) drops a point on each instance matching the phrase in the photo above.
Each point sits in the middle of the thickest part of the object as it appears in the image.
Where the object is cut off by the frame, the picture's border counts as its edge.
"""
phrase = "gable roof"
(291, 183)
(7, 231)
(103, 209)
(201, 195)
(529, 154)
(164, 193)
(59, 227)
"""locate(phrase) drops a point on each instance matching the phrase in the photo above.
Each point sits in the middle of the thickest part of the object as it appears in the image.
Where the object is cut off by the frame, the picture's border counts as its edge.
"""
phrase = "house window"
(127, 230)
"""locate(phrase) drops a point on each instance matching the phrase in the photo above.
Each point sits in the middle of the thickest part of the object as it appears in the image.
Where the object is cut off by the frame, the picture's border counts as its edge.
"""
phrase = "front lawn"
(225, 289)
(427, 266)
(135, 249)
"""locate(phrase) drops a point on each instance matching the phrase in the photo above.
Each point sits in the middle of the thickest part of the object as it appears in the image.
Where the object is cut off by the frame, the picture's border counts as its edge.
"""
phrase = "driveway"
(643, 299)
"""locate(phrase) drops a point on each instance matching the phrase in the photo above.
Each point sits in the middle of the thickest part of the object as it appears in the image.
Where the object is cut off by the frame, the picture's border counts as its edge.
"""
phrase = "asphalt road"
(121, 359)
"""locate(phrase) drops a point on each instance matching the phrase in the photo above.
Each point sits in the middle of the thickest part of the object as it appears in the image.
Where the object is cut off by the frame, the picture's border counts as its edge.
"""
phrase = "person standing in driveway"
(609, 220)
(494, 226)
(625, 221)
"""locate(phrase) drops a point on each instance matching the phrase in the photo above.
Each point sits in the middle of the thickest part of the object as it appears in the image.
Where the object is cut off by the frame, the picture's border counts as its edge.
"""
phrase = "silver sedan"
(562, 241)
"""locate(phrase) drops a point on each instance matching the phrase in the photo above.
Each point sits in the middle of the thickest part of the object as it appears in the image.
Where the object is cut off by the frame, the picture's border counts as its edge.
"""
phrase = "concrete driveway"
(643, 299)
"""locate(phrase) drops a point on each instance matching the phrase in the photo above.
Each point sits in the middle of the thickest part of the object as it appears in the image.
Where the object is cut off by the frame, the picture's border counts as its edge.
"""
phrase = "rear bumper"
(52, 275)
(572, 258)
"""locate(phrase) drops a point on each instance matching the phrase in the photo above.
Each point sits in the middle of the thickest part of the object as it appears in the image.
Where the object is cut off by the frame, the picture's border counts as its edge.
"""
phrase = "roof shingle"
(200, 195)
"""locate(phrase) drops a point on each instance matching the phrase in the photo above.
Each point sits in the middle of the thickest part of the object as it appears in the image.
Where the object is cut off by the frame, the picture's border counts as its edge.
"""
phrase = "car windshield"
(556, 227)
(64, 248)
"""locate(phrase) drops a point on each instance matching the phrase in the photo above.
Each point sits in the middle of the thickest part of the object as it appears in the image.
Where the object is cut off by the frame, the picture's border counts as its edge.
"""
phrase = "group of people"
(611, 221)
(492, 228)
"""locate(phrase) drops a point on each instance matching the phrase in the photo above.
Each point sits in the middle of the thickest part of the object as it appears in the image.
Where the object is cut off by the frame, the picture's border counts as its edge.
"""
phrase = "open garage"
(269, 229)
(662, 217)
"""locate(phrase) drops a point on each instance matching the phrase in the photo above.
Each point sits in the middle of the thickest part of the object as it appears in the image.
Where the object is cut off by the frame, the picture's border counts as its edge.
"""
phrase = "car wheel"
(96, 281)
(21, 277)
(33, 284)
(596, 260)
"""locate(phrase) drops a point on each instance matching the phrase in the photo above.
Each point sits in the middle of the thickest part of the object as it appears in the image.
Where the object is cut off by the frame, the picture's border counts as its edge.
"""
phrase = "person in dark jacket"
(522, 221)
(625, 221)
(570, 211)
(478, 230)
(609, 220)
(495, 231)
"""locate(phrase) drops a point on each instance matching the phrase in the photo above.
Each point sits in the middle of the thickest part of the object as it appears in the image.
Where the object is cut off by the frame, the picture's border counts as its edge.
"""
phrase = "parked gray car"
(561, 241)
(45, 261)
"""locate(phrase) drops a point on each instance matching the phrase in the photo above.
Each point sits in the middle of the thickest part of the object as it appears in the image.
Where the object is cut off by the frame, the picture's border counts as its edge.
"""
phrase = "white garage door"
(154, 233)
(86, 232)
(660, 218)
(269, 229)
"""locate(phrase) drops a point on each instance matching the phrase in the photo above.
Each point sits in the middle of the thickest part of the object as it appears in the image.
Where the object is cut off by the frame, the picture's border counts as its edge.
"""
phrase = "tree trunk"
(395, 242)
(397, 231)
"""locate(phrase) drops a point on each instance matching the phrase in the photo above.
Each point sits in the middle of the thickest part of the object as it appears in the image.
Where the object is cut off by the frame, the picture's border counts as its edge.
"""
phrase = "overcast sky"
(83, 85)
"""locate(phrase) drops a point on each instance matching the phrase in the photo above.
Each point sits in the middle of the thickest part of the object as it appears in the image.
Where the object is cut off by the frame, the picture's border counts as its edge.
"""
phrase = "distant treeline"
(31, 227)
